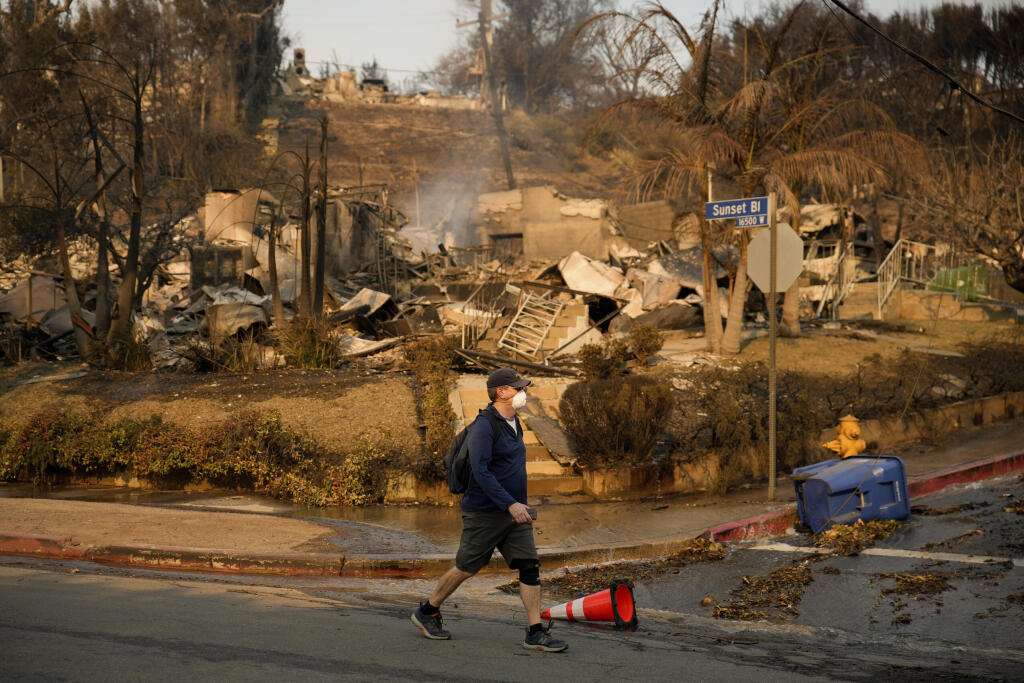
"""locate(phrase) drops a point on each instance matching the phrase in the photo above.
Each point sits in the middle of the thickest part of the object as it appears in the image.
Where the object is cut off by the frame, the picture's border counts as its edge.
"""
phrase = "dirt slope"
(335, 407)
(451, 153)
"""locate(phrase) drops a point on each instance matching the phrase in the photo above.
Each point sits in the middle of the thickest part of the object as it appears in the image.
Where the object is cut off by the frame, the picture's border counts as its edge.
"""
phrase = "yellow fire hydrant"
(847, 441)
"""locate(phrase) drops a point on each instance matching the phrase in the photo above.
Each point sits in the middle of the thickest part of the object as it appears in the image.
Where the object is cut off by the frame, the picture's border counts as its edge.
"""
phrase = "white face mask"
(519, 400)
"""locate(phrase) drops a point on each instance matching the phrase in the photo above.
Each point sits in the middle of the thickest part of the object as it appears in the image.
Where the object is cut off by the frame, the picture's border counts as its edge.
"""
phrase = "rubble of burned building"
(532, 277)
(538, 275)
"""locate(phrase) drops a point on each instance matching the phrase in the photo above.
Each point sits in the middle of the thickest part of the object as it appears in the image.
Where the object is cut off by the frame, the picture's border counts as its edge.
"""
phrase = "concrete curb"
(964, 474)
(328, 564)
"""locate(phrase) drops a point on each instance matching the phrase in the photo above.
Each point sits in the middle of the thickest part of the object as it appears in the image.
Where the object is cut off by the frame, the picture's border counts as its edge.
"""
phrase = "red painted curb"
(965, 474)
(218, 561)
(767, 524)
(38, 545)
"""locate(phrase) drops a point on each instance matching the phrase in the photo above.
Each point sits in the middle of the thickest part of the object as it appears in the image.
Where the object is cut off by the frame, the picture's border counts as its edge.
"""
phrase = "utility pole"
(772, 335)
(489, 95)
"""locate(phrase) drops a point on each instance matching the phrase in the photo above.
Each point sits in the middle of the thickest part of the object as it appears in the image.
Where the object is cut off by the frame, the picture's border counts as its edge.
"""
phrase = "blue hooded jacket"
(499, 474)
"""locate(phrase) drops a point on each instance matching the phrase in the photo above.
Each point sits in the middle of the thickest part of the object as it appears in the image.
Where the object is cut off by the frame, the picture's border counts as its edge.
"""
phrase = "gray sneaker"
(431, 625)
(543, 642)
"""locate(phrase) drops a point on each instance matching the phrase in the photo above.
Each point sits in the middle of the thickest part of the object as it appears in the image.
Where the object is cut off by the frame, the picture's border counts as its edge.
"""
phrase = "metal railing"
(968, 277)
(483, 307)
(839, 284)
(907, 260)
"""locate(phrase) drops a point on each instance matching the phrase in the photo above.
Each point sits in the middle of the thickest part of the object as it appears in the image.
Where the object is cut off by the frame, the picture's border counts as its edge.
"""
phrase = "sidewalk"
(247, 534)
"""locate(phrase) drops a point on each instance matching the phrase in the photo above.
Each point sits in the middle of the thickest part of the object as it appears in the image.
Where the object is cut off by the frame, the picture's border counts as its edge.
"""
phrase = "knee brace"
(529, 572)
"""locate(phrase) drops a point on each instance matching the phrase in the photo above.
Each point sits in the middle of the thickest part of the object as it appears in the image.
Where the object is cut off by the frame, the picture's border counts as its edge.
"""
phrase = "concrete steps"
(861, 302)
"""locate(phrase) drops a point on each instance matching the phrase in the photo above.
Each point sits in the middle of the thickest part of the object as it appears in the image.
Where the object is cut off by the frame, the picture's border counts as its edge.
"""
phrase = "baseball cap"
(506, 377)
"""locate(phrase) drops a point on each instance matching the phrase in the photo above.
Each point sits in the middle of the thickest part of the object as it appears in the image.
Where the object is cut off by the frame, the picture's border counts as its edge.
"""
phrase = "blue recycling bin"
(863, 487)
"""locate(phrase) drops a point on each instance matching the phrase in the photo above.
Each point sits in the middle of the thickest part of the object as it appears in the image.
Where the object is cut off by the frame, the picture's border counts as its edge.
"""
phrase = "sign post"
(772, 328)
(775, 261)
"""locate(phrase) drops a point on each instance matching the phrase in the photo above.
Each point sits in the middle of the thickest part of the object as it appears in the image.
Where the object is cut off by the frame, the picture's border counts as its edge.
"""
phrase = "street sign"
(789, 259)
(752, 221)
(736, 208)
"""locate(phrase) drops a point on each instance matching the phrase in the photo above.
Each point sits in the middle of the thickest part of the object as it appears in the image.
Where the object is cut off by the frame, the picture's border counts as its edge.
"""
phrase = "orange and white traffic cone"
(614, 604)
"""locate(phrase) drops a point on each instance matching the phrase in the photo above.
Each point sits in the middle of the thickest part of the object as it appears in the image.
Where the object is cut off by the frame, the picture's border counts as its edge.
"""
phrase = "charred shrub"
(236, 353)
(615, 422)
(601, 361)
(132, 355)
(11, 345)
(725, 412)
(644, 341)
(250, 450)
(430, 361)
(308, 342)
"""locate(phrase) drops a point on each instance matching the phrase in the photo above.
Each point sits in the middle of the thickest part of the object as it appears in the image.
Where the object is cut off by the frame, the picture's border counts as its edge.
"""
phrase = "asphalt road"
(111, 626)
(963, 546)
(78, 621)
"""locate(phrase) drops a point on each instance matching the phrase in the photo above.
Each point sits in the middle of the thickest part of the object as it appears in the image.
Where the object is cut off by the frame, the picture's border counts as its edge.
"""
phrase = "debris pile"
(761, 598)
(549, 274)
(579, 582)
(850, 540)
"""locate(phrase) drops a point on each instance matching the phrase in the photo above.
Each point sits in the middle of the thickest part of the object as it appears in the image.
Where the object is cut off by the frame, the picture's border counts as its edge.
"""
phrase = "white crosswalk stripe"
(895, 552)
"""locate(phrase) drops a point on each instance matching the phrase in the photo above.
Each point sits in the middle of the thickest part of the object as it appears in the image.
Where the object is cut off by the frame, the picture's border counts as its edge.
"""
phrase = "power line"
(953, 82)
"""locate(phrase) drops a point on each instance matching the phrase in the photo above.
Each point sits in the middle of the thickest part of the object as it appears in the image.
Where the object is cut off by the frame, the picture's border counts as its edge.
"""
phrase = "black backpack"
(457, 468)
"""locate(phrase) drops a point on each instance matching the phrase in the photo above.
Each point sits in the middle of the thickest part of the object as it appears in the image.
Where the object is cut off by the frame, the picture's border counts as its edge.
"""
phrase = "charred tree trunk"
(791, 304)
(80, 328)
(120, 331)
(275, 287)
(712, 305)
(305, 299)
(102, 322)
(321, 225)
(732, 336)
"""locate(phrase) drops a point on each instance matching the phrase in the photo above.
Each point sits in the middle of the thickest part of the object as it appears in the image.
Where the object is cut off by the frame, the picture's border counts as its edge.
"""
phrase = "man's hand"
(520, 513)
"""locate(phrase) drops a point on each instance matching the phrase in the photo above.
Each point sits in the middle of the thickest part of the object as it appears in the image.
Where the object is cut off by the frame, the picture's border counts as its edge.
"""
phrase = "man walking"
(495, 514)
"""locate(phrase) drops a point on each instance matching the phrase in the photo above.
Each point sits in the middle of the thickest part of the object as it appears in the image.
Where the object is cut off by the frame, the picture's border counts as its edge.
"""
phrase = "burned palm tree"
(757, 114)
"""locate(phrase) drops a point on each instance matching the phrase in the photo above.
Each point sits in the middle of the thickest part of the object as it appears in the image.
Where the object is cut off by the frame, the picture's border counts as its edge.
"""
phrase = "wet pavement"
(953, 573)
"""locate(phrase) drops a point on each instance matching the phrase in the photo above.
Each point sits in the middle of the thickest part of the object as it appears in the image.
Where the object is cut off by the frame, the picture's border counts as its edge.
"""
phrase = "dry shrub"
(726, 412)
(11, 345)
(615, 422)
(363, 475)
(308, 342)
(131, 356)
(601, 361)
(231, 354)
(644, 341)
(251, 450)
(430, 360)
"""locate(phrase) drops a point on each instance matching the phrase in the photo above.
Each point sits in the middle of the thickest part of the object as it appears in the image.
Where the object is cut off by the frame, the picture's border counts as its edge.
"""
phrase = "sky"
(406, 36)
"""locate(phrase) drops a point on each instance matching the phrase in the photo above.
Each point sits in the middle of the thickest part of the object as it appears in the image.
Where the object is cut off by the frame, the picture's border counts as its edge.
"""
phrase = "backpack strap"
(495, 424)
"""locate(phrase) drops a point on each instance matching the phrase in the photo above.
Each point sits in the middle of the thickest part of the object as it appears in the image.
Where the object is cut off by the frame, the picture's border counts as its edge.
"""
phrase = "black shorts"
(482, 532)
